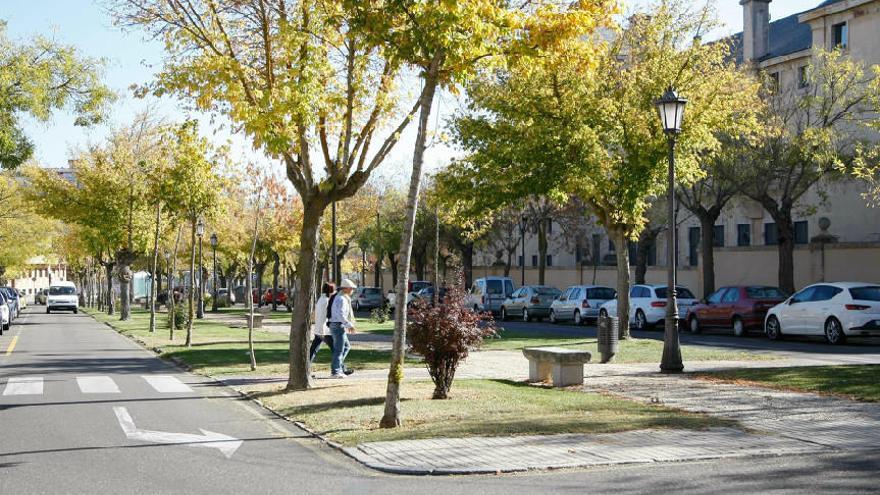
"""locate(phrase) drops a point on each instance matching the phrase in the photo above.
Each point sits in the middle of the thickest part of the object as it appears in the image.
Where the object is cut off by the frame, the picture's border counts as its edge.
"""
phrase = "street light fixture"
(214, 279)
(200, 306)
(671, 109)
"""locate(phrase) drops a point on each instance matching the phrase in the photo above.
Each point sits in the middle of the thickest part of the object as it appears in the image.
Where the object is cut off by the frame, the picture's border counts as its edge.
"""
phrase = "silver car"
(580, 303)
(488, 293)
(367, 298)
(530, 302)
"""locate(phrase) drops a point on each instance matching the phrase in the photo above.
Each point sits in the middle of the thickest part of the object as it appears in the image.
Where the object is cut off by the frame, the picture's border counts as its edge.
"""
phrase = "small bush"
(379, 315)
(179, 315)
(444, 334)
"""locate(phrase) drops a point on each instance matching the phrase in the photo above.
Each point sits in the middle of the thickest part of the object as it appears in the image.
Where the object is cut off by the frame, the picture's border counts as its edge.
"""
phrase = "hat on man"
(347, 284)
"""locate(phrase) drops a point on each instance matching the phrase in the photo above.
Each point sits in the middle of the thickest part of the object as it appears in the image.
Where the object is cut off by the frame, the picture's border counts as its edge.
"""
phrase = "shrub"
(379, 315)
(444, 334)
(179, 315)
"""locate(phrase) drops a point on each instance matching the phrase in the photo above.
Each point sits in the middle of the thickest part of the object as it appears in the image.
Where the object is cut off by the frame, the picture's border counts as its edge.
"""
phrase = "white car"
(62, 296)
(836, 310)
(647, 305)
(5, 319)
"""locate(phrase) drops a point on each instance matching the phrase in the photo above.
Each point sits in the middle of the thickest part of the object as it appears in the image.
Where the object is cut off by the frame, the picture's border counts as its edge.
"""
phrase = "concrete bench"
(258, 320)
(563, 366)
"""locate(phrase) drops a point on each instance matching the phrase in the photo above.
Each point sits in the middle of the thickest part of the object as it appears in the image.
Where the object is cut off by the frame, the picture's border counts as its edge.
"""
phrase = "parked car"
(836, 310)
(647, 304)
(530, 302)
(12, 298)
(367, 298)
(62, 296)
(225, 298)
(41, 296)
(417, 285)
(280, 296)
(22, 300)
(489, 293)
(391, 299)
(737, 307)
(5, 316)
(427, 294)
(580, 303)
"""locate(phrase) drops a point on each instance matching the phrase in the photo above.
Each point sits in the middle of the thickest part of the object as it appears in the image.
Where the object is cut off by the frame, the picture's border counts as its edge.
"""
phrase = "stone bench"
(258, 320)
(563, 366)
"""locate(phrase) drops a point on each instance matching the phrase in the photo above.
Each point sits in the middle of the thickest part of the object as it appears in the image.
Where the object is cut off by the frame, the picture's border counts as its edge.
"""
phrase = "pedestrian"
(319, 327)
(341, 324)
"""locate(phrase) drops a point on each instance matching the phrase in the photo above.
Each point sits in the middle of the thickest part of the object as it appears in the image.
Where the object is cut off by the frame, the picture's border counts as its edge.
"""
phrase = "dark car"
(738, 307)
(427, 295)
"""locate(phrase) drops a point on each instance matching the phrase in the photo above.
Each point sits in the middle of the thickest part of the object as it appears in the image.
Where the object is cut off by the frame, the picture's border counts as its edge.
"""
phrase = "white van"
(62, 296)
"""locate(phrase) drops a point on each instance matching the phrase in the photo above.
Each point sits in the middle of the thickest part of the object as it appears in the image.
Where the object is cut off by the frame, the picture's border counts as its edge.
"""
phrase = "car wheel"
(553, 317)
(694, 325)
(739, 328)
(356, 306)
(773, 329)
(834, 331)
(476, 309)
(641, 321)
(503, 315)
(577, 318)
(48, 311)
(76, 311)
(525, 316)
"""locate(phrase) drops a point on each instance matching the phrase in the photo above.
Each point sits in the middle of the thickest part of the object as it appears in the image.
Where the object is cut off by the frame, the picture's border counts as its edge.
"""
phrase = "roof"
(787, 35)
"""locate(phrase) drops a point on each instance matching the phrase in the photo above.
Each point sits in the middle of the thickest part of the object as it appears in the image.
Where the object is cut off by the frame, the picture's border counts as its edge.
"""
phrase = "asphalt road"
(63, 430)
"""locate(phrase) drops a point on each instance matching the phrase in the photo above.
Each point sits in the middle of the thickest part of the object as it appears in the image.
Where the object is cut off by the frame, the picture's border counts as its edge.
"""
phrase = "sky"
(130, 58)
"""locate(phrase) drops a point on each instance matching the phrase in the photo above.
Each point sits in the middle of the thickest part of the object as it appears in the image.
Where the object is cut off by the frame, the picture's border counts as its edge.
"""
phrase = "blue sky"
(85, 24)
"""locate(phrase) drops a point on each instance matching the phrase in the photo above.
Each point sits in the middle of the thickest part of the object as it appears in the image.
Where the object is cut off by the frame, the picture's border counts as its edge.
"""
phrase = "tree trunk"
(172, 324)
(391, 418)
(378, 272)
(300, 367)
(276, 260)
(707, 251)
(420, 263)
(642, 260)
(154, 272)
(125, 277)
(622, 283)
(392, 262)
(467, 263)
(110, 298)
(190, 296)
(542, 250)
(509, 263)
(785, 228)
(248, 287)
(261, 269)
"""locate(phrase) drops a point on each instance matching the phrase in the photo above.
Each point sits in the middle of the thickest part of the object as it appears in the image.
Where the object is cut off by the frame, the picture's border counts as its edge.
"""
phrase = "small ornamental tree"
(444, 334)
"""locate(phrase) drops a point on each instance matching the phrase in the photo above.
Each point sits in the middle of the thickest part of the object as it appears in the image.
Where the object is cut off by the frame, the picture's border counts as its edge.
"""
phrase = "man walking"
(341, 324)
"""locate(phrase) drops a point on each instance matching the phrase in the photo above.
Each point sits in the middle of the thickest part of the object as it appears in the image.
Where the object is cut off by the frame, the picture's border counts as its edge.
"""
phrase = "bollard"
(608, 336)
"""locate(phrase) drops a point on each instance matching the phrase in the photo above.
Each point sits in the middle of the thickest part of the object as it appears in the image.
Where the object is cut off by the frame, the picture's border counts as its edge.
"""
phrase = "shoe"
(348, 371)
(337, 376)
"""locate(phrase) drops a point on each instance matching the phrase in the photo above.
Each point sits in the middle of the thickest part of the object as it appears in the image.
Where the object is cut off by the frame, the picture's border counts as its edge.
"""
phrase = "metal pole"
(522, 261)
(333, 247)
(671, 362)
(200, 307)
(436, 255)
(379, 253)
(214, 282)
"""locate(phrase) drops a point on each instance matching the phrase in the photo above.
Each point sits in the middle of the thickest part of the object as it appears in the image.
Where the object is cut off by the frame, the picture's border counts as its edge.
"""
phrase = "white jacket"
(319, 327)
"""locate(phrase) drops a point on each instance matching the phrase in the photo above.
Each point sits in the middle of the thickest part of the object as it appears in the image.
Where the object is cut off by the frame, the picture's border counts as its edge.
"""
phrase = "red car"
(280, 298)
(739, 307)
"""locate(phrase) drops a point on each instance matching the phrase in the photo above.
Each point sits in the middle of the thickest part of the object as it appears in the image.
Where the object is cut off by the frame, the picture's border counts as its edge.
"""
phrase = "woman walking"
(319, 327)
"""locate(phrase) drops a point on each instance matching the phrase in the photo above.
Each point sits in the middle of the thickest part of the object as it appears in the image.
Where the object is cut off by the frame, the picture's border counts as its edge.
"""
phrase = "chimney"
(756, 29)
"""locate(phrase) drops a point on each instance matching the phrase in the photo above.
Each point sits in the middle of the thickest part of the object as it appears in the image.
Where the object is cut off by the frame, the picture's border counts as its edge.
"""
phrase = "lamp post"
(214, 278)
(200, 306)
(522, 260)
(671, 109)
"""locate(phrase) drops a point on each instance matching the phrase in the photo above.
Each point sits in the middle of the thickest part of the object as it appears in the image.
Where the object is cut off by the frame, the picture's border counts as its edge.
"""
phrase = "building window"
(549, 260)
(718, 236)
(840, 35)
(578, 253)
(743, 234)
(549, 225)
(633, 248)
(803, 76)
(773, 82)
(771, 234)
(534, 260)
(801, 232)
(693, 246)
(611, 246)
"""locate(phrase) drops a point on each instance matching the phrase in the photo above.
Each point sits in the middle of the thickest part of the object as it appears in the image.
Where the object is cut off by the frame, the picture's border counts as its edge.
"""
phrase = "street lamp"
(522, 262)
(671, 109)
(214, 279)
(200, 307)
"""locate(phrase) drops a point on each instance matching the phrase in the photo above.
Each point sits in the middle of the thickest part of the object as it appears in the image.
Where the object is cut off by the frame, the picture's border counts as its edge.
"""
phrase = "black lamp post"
(522, 262)
(200, 306)
(214, 278)
(671, 109)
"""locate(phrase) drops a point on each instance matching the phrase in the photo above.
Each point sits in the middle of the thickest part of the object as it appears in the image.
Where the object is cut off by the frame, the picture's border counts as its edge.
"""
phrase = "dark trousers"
(316, 344)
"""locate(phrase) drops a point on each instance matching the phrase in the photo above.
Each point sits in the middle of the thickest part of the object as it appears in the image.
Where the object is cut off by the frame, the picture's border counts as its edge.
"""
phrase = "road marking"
(97, 385)
(224, 443)
(24, 385)
(166, 384)
(12, 345)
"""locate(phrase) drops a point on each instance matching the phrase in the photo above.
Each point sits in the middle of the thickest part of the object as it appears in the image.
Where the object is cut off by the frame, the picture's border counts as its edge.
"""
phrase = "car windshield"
(547, 291)
(681, 292)
(372, 291)
(764, 293)
(494, 287)
(62, 291)
(871, 293)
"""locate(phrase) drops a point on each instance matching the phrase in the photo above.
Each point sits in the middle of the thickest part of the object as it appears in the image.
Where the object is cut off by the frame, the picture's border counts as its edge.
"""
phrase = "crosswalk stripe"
(24, 385)
(166, 384)
(97, 385)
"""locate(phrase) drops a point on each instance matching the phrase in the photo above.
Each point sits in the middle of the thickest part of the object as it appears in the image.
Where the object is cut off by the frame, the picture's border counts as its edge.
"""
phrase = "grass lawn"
(349, 412)
(630, 351)
(859, 382)
(221, 350)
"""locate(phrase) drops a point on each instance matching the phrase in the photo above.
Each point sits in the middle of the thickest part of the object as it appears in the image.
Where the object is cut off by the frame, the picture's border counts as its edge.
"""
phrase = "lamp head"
(671, 109)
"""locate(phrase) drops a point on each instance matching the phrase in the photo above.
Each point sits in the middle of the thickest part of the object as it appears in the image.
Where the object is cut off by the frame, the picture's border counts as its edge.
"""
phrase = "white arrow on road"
(224, 443)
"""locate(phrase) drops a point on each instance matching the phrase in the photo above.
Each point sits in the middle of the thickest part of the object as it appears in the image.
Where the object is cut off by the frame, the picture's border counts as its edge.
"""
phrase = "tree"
(37, 77)
(810, 131)
(581, 121)
(23, 232)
